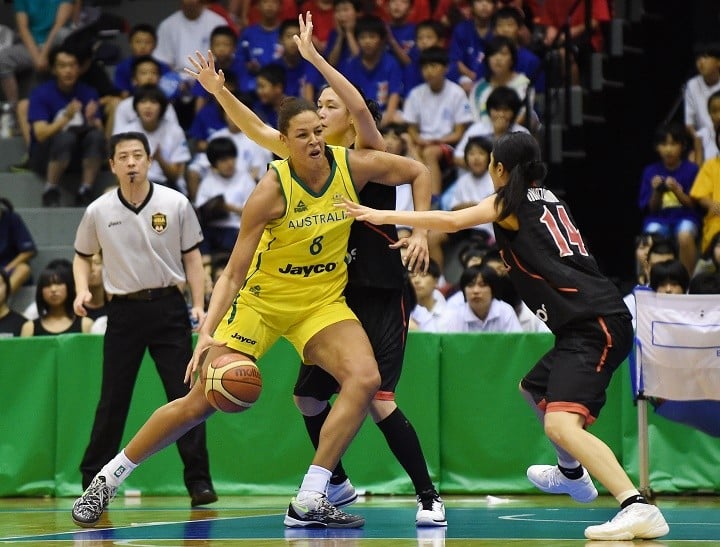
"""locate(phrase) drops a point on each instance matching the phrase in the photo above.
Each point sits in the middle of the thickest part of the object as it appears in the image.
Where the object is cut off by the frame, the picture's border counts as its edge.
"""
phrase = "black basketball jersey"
(372, 262)
(550, 265)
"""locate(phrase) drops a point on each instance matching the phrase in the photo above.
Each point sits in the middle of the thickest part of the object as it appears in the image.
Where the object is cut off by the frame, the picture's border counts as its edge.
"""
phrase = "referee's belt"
(148, 295)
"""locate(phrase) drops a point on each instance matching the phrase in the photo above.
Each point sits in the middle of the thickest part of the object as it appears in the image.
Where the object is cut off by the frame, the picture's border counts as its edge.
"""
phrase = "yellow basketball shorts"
(252, 332)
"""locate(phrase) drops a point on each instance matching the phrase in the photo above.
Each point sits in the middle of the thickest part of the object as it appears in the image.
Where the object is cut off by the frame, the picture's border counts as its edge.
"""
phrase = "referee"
(148, 235)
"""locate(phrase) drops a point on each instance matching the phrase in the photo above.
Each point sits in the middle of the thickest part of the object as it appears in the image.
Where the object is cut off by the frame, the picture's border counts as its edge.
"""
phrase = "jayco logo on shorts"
(242, 339)
(306, 271)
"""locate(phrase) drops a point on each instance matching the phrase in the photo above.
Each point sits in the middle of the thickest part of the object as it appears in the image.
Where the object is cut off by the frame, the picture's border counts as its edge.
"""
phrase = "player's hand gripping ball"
(232, 383)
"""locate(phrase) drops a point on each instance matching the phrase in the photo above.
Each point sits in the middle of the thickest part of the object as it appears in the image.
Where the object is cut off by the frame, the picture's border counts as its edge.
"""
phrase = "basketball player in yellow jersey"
(299, 264)
(285, 277)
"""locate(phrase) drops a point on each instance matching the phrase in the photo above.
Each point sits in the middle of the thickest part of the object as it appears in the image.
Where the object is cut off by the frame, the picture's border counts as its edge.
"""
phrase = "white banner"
(678, 345)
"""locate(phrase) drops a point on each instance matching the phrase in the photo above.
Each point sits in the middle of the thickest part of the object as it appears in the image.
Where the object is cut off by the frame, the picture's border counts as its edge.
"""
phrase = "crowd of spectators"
(449, 76)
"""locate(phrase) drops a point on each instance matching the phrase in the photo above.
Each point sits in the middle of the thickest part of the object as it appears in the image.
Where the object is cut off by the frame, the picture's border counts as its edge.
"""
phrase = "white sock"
(118, 469)
(315, 480)
(85, 187)
(49, 185)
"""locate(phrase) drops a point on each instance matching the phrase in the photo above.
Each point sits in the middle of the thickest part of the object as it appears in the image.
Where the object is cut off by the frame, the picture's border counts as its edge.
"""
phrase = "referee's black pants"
(162, 326)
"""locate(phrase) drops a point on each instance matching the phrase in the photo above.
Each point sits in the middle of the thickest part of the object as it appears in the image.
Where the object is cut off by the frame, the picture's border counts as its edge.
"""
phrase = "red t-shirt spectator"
(555, 14)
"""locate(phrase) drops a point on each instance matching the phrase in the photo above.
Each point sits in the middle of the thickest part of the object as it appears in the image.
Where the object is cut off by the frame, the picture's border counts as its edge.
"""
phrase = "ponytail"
(520, 154)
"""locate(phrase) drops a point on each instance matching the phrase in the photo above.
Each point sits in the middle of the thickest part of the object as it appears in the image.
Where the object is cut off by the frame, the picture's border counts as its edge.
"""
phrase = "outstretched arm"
(241, 115)
(367, 134)
(443, 221)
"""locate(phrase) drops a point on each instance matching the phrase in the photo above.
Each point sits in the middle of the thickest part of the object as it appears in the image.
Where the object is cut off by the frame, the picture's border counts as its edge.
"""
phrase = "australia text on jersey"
(318, 218)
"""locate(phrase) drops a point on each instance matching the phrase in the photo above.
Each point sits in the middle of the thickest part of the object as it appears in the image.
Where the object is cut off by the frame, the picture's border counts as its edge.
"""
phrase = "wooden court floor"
(257, 521)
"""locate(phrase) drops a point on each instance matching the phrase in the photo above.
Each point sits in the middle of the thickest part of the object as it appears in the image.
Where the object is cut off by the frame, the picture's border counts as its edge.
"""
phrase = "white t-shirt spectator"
(173, 147)
(427, 320)
(235, 190)
(437, 114)
(178, 37)
(501, 318)
(125, 115)
(483, 128)
(472, 189)
(696, 96)
(707, 137)
(252, 158)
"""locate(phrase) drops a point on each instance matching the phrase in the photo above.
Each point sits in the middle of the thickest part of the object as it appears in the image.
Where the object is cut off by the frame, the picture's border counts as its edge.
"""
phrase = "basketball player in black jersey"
(559, 280)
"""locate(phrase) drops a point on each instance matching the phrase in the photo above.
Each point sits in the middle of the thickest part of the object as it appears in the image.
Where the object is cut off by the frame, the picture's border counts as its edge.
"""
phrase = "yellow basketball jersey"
(300, 260)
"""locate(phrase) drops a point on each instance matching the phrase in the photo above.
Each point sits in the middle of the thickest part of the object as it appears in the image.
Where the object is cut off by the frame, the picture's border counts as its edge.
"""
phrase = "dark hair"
(7, 204)
(223, 30)
(273, 73)
(496, 44)
(437, 27)
(286, 24)
(60, 272)
(152, 93)
(394, 127)
(705, 283)
(488, 274)
(371, 104)
(291, 107)
(676, 131)
(220, 149)
(355, 3)
(62, 48)
(708, 49)
(492, 255)
(434, 54)
(520, 155)
(477, 142)
(142, 59)
(143, 27)
(469, 251)
(662, 246)
(669, 271)
(504, 97)
(434, 269)
(370, 24)
(508, 12)
(128, 136)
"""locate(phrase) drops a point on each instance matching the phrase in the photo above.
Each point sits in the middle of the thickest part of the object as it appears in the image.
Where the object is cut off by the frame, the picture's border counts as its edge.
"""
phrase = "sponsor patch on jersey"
(300, 207)
(255, 290)
(159, 222)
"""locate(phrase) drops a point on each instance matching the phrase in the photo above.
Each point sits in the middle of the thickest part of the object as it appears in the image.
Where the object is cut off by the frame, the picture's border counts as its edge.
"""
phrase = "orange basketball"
(232, 383)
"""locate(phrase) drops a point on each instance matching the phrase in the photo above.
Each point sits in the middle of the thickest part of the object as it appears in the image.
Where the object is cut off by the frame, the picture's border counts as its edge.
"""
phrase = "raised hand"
(212, 81)
(304, 41)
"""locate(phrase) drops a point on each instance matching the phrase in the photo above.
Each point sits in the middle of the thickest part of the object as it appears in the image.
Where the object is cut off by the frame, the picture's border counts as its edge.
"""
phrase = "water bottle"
(6, 121)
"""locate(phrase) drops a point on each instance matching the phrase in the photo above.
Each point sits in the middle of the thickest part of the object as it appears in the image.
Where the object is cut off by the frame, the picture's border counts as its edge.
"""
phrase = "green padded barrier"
(28, 388)
(459, 391)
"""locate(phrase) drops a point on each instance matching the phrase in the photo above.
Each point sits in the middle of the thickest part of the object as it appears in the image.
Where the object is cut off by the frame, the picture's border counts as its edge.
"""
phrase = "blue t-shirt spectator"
(378, 83)
(122, 79)
(295, 76)
(671, 210)
(47, 100)
(467, 47)
(258, 46)
(15, 238)
(208, 120)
